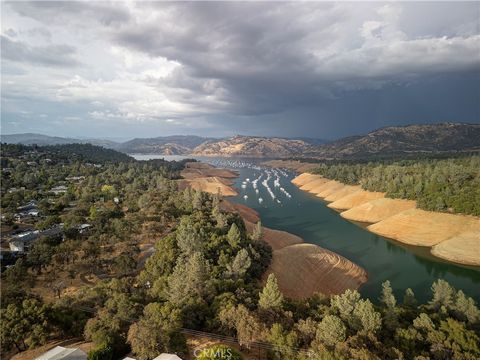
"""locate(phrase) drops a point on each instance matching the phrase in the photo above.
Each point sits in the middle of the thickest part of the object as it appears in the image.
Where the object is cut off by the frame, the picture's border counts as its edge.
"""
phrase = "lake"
(307, 216)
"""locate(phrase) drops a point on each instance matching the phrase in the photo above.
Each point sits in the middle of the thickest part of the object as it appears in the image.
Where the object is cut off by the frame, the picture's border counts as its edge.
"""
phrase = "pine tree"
(188, 279)
(387, 298)
(345, 303)
(197, 200)
(365, 318)
(257, 231)
(409, 299)
(234, 237)
(465, 308)
(189, 238)
(331, 330)
(443, 295)
(271, 297)
(240, 264)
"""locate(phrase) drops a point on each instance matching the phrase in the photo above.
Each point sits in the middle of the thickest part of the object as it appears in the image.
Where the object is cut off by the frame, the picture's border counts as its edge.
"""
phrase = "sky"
(326, 70)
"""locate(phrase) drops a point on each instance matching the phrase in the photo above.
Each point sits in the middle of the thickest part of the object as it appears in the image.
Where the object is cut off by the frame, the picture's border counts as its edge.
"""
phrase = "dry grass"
(378, 210)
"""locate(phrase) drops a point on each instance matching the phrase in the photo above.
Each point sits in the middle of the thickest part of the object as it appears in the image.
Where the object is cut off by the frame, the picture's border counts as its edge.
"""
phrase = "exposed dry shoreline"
(205, 177)
(452, 237)
(301, 269)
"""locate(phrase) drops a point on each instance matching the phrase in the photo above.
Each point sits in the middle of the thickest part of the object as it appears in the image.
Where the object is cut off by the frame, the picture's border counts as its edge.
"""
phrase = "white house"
(61, 352)
(57, 190)
(22, 241)
(165, 356)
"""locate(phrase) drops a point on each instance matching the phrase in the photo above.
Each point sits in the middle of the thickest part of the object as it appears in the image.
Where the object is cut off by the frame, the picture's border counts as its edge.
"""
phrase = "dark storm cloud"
(283, 68)
(49, 55)
(271, 57)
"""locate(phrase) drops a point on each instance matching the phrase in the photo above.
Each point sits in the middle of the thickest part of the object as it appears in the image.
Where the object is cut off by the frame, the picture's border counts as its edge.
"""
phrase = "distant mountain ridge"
(40, 139)
(253, 146)
(166, 145)
(397, 140)
(388, 141)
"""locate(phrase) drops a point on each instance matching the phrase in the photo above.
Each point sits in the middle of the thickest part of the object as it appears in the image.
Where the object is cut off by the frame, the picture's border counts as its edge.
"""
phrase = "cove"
(307, 216)
(405, 266)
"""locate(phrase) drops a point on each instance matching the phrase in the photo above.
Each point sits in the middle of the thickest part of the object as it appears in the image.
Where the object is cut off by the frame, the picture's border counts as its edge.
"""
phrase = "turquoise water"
(308, 217)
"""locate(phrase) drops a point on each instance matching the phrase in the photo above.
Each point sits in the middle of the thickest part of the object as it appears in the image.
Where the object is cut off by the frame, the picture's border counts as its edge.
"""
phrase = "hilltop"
(404, 140)
(166, 145)
(394, 141)
(252, 146)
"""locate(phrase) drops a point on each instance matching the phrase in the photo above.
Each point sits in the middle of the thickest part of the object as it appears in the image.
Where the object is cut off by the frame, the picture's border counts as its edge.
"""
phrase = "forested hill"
(388, 142)
(399, 141)
(71, 152)
(449, 185)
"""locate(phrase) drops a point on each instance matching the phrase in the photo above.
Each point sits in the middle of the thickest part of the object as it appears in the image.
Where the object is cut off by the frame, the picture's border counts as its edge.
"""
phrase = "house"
(24, 214)
(21, 242)
(163, 356)
(75, 178)
(60, 352)
(166, 356)
(30, 209)
(83, 228)
(57, 190)
(31, 205)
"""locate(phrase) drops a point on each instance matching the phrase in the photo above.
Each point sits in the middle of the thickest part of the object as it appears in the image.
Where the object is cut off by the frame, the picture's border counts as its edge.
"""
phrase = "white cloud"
(139, 62)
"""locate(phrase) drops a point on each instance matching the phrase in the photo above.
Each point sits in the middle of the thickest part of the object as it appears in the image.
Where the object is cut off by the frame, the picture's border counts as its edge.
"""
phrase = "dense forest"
(450, 185)
(159, 264)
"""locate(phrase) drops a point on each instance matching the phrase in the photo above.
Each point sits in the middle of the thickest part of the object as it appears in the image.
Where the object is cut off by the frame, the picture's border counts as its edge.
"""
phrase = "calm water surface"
(308, 217)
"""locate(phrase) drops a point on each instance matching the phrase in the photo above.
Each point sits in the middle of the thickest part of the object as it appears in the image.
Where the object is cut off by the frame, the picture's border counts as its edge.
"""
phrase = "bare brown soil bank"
(463, 248)
(452, 237)
(277, 239)
(291, 165)
(304, 269)
(344, 191)
(424, 228)
(205, 177)
(200, 170)
(329, 188)
(314, 184)
(378, 210)
(213, 185)
(247, 214)
(357, 198)
(304, 178)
